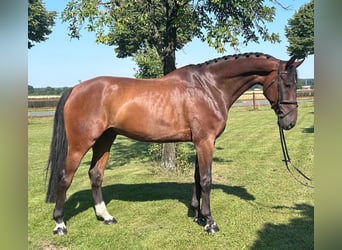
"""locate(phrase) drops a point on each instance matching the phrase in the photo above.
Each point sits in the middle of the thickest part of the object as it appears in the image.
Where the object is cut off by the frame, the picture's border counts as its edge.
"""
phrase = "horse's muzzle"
(286, 126)
(287, 114)
(287, 122)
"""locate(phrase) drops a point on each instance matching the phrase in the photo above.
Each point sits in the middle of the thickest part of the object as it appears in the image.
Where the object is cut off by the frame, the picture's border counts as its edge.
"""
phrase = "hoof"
(110, 221)
(212, 228)
(199, 220)
(60, 231)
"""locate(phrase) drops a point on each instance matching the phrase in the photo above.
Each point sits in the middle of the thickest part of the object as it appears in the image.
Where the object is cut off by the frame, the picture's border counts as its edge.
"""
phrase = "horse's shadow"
(297, 234)
(82, 200)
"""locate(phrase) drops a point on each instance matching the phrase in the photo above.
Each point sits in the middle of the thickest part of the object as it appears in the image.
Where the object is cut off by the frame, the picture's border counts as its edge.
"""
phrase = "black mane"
(236, 56)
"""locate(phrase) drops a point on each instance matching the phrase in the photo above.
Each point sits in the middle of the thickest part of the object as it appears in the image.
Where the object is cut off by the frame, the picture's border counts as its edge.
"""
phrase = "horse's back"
(143, 109)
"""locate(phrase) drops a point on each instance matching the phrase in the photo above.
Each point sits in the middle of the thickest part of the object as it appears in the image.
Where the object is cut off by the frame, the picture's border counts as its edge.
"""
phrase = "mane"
(237, 56)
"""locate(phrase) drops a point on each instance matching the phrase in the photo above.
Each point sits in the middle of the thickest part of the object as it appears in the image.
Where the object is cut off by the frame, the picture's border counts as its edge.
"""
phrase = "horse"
(190, 104)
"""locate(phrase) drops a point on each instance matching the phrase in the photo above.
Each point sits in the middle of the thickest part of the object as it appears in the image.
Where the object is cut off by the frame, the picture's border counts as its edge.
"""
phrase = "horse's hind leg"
(101, 150)
(72, 162)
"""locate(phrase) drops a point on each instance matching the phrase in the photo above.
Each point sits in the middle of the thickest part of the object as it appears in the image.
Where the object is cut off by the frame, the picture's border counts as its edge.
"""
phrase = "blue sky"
(60, 61)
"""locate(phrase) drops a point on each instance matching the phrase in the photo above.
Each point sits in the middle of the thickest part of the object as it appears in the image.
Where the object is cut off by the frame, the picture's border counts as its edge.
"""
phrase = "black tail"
(58, 148)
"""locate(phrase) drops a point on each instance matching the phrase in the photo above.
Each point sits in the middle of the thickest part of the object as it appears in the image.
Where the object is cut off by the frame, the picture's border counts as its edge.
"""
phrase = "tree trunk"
(169, 156)
(169, 64)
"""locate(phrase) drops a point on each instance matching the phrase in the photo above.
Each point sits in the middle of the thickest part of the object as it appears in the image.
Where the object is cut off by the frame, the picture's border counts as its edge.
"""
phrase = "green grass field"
(254, 200)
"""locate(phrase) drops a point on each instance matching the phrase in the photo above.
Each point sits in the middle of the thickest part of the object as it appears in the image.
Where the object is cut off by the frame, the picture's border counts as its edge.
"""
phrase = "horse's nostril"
(291, 125)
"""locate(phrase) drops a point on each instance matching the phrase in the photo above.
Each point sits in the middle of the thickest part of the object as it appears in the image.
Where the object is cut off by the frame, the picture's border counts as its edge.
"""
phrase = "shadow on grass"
(297, 234)
(308, 130)
(124, 151)
(82, 200)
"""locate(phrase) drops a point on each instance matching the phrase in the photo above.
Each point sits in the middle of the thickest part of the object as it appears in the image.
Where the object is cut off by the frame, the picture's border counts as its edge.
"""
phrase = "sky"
(64, 62)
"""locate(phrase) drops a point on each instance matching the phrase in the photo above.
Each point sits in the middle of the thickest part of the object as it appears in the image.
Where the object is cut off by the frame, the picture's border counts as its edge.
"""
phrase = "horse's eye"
(287, 83)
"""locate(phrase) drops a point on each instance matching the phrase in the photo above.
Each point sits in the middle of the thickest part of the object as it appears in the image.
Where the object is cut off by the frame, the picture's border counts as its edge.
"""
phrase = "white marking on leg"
(60, 229)
(101, 211)
(59, 225)
(210, 228)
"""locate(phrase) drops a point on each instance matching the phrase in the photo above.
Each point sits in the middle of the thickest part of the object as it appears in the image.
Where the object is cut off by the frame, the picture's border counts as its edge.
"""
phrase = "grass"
(254, 200)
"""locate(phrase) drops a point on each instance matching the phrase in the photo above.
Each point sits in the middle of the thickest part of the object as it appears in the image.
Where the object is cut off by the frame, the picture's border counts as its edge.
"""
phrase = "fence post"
(254, 100)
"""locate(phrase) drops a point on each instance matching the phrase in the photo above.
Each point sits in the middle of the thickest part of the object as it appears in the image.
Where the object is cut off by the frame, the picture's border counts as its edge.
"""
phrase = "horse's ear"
(293, 62)
(298, 63)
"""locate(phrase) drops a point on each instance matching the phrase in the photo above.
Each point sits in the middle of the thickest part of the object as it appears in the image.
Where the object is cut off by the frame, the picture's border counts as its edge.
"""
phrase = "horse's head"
(281, 91)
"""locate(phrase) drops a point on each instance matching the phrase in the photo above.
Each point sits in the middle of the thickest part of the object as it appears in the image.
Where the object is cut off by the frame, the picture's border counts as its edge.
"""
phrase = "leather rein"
(277, 109)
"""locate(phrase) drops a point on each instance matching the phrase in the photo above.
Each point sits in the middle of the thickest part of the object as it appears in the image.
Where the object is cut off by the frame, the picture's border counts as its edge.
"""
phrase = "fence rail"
(252, 97)
(42, 101)
(256, 97)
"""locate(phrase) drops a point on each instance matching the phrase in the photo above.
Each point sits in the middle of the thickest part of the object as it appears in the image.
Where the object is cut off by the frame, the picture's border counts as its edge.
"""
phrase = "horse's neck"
(234, 78)
(235, 88)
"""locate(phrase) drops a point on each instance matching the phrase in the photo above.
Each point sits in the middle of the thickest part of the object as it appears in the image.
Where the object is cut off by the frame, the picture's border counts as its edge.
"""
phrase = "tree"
(133, 26)
(167, 25)
(300, 31)
(149, 64)
(30, 89)
(40, 22)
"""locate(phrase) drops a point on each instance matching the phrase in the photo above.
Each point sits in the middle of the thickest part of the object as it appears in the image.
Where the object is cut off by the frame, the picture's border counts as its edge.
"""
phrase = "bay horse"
(189, 104)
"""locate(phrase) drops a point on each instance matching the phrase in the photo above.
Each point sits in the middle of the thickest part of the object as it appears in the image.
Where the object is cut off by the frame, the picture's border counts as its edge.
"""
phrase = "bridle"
(277, 105)
(277, 108)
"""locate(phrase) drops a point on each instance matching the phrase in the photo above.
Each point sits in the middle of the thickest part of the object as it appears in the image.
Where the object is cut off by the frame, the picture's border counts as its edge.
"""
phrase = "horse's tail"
(58, 149)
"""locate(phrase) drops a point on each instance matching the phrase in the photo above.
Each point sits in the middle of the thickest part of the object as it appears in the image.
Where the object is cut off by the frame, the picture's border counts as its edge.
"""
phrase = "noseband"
(277, 105)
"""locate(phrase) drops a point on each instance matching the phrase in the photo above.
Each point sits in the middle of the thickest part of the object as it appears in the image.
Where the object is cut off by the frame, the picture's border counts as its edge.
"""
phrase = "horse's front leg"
(205, 151)
(196, 196)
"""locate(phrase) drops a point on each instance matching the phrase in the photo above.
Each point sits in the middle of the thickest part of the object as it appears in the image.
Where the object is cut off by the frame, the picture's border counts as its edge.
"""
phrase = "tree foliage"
(300, 31)
(149, 64)
(40, 22)
(32, 91)
(167, 25)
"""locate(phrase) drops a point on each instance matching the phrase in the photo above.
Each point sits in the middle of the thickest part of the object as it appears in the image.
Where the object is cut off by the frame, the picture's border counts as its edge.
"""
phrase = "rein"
(287, 160)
